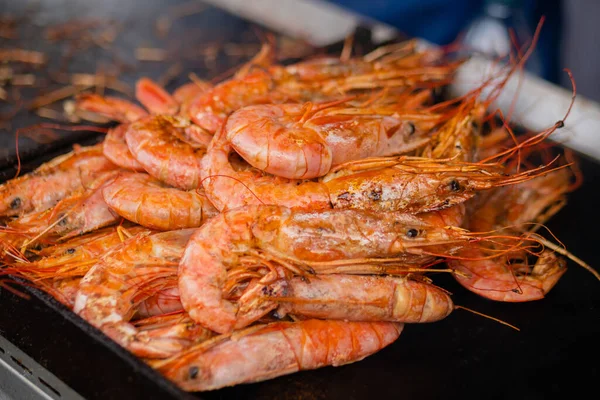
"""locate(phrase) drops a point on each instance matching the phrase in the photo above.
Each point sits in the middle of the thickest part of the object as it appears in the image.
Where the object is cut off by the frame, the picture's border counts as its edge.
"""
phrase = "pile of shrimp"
(287, 218)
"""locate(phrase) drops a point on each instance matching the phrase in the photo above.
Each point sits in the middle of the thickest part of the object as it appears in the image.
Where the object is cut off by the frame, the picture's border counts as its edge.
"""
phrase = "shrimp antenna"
(17, 153)
(457, 307)
(4, 285)
(347, 49)
(91, 128)
(564, 252)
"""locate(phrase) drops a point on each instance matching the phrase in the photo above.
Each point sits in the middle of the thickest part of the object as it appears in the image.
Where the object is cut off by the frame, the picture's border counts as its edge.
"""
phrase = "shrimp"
(113, 108)
(362, 298)
(415, 184)
(53, 181)
(58, 269)
(110, 292)
(146, 201)
(306, 239)
(280, 348)
(293, 141)
(116, 150)
(154, 98)
(147, 92)
(228, 188)
(81, 212)
(156, 144)
(411, 184)
(315, 80)
(522, 207)
(132, 146)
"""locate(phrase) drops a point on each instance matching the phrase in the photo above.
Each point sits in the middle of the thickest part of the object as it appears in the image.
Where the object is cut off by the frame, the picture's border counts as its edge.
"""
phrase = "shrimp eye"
(70, 251)
(62, 220)
(411, 128)
(193, 372)
(412, 233)
(454, 185)
(15, 203)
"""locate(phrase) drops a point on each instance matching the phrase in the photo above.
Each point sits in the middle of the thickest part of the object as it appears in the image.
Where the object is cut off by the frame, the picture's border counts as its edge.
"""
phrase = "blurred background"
(50, 50)
(568, 39)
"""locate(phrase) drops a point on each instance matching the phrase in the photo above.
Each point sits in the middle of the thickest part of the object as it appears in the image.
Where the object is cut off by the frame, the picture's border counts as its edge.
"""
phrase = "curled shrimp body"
(113, 288)
(146, 201)
(155, 143)
(228, 188)
(115, 149)
(53, 181)
(280, 348)
(302, 238)
(282, 140)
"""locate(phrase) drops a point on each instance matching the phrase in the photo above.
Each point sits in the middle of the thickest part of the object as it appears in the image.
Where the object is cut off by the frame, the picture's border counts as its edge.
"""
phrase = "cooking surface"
(464, 355)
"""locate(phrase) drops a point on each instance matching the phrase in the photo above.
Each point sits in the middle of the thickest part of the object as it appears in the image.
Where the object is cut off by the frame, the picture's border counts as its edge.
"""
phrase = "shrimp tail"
(496, 280)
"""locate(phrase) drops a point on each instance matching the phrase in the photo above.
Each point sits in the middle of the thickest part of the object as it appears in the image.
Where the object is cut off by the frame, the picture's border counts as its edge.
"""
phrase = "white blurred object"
(318, 22)
(490, 33)
(537, 105)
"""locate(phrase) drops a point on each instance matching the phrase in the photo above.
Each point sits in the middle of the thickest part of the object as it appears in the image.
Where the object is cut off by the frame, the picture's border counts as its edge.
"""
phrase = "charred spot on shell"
(193, 372)
(267, 291)
(15, 203)
(412, 233)
(454, 185)
(346, 196)
(375, 194)
(475, 125)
